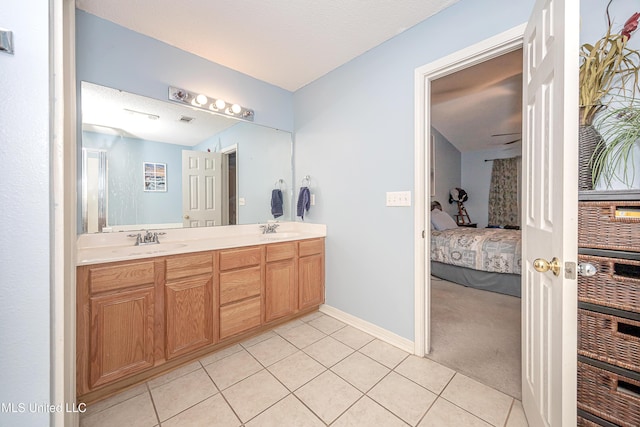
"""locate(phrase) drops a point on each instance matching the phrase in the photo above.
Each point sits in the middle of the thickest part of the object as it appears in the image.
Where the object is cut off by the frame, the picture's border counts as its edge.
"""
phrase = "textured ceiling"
(288, 43)
(470, 106)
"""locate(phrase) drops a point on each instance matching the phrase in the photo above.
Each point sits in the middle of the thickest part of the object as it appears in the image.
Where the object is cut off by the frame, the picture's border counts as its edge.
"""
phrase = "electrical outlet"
(241, 201)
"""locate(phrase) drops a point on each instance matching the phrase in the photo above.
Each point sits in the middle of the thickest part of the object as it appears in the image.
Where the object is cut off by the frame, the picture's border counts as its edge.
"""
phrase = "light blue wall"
(354, 135)
(447, 171)
(263, 157)
(25, 204)
(128, 203)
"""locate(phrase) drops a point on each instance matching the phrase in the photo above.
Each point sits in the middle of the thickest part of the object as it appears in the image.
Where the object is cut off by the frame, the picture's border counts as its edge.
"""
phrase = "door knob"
(587, 269)
(542, 265)
(186, 217)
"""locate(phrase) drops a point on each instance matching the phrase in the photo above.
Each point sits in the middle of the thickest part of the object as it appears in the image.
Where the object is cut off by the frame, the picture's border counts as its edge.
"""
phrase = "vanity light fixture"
(216, 105)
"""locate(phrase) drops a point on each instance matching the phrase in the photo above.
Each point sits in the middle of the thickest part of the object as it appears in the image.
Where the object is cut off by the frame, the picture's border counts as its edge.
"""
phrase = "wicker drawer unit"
(609, 309)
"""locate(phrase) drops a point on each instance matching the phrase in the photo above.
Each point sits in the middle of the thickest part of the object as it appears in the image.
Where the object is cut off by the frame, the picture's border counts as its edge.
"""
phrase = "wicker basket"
(607, 287)
(583, 422)
(600, 228)
(610, 339)
(602, 393)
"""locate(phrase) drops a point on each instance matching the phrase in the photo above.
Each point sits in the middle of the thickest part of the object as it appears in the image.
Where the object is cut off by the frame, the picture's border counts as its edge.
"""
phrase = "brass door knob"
(186, 217)
(542, 265)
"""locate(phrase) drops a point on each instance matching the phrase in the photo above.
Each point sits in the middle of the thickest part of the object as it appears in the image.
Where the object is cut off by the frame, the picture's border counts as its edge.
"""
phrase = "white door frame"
(495, 46)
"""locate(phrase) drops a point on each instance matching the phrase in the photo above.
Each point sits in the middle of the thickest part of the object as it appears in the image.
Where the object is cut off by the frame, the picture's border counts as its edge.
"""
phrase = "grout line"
(153, 403)
(506, 421)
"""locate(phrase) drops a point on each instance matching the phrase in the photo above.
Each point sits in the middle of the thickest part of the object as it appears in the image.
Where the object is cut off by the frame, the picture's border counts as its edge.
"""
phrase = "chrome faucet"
(269, 228)
(148, 238)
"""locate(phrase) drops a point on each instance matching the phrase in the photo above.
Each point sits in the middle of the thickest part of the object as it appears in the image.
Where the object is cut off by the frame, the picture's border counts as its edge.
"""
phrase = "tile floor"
(314, 371)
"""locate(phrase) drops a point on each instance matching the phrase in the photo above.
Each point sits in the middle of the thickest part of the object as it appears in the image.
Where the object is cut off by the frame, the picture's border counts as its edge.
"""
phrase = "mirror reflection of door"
(94, 190)
(230, 185)
(201, 189)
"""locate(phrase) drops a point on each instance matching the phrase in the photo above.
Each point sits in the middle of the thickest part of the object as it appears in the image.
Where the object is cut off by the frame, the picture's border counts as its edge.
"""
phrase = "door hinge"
(424, 234)
(570, 270)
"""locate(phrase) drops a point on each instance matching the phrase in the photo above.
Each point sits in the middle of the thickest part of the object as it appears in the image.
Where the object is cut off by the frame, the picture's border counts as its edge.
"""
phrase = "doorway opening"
(230, 185)
(437, 86)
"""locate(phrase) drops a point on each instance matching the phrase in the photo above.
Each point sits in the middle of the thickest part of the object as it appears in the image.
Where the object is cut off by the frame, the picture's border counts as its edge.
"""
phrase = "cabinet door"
(189, 313)
(311, 281)
(280, 289)
(121, 335)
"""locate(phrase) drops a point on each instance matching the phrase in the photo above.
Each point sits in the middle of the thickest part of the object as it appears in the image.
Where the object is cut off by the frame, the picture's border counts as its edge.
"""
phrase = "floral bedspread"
(486, 249)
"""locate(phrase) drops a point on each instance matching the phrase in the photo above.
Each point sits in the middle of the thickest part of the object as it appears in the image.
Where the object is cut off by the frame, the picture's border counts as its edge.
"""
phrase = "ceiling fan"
(506, 134)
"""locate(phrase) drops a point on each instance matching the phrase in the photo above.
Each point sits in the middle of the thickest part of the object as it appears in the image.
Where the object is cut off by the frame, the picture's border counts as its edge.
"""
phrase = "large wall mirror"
(136, 164)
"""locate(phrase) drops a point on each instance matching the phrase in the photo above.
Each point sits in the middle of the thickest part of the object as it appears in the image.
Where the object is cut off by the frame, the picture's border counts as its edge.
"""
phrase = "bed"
(485, 258)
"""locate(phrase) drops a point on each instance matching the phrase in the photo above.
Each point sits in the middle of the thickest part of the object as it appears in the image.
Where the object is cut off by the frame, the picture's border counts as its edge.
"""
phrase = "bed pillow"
(442, 220)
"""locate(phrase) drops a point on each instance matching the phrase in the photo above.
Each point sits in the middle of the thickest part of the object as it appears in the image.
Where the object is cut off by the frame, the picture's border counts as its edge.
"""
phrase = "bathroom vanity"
(143, 310)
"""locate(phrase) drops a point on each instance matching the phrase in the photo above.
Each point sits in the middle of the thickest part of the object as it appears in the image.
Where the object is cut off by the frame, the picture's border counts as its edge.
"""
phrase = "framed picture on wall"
(155, 176)
(432, 168)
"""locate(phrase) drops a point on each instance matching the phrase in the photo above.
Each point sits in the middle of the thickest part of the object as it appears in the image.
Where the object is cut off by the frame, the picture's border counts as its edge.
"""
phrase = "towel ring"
(306, 179)
(278, 184)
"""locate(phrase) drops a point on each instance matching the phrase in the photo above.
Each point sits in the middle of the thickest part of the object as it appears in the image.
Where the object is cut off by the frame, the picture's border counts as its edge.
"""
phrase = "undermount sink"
(148, 249)
(280, 236)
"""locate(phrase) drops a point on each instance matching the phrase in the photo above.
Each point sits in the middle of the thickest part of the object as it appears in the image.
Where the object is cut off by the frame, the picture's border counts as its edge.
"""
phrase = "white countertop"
(108, 247)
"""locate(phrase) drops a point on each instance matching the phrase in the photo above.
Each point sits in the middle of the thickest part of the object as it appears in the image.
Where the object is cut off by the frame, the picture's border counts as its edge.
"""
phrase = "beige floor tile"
(272, 350)
(115, 399)
(288, 412)
(367, 413)
(213, 412)
(479, 399)
(327, 324)
(425, 372)
(296, 370)
(384, 353)
(328, 396)
(258, 339)
(353, 337)
(313, 315)
(360, 371)
(253, 395)
(302, 336)
(220, 354)
(289, 325)
(328, 351)
(172, 375)
(232, 369)
(137, 411)
(182, 393)
(446, 414)
(517, 418)
(404, 398)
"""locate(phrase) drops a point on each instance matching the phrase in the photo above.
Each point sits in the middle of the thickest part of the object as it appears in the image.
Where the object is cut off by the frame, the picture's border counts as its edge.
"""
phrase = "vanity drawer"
(280, 251)
(239, 284)
(310, 247)
(239, 317)
(180, 266)
(236, 258)
(104, 279)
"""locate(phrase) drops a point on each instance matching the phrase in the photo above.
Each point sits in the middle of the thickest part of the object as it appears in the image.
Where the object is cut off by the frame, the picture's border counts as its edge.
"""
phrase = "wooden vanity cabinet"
(281, 291)
(310, 273)
(190, 303)
(117, 333)
(241, 273)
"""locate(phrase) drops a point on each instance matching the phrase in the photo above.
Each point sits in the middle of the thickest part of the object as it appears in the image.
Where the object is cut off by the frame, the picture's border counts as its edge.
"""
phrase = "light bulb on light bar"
(213, 105)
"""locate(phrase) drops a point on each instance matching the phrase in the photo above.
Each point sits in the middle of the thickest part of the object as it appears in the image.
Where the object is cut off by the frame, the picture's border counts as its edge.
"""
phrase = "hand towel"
(304, 201)
(276, 203)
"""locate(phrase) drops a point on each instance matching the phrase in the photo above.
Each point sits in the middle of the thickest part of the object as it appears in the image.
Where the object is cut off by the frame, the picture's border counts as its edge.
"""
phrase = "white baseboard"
(374, 330)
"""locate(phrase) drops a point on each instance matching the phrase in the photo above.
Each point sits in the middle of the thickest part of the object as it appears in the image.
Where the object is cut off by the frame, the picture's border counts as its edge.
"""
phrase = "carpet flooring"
(478, 334)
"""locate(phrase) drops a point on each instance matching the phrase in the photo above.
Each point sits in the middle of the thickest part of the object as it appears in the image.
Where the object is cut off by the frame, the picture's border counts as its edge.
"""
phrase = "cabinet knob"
(587, 269)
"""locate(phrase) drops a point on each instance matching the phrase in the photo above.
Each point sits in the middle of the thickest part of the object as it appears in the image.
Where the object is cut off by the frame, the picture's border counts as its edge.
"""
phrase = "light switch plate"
(399, 198)
(241, 201)
(312, 200)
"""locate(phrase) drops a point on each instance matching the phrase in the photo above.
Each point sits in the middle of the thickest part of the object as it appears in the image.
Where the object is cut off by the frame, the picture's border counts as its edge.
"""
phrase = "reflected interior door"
(550, 204)
(201, 189)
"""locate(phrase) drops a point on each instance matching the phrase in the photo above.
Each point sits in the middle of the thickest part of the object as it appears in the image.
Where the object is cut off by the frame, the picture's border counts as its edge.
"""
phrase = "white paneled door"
(201, 189)
(550, 153)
